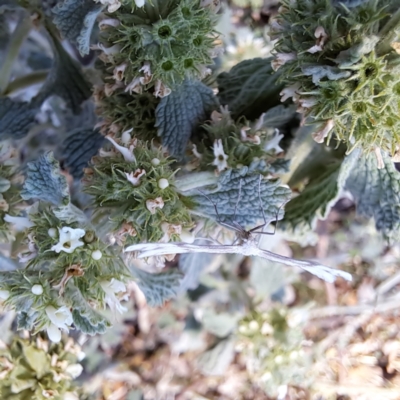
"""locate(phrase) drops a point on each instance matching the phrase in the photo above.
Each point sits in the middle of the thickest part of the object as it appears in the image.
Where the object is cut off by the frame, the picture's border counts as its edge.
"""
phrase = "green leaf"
(220, 325)
(239, 190)
(65, 79)
(45, 182)
(16, 118)
(376, 193)
(75, 20)
(216, 360)
(5, 184)
(250, 88)
(85, 318)
(37, 360)
(266, 277)
(278, 116)
(192, 265)
(78, 148)
(320, 194)
(158, 288)
(179, 113)
(25, 320)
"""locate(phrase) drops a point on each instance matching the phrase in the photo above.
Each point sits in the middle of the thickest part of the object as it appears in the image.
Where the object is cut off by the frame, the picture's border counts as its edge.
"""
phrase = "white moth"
(247, 245)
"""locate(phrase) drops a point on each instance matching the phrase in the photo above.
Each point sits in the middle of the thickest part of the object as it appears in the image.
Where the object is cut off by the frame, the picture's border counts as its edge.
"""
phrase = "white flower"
(60, 318)
(134, 177)
(112, 5)
(155, 162)
(147, 73)
(282, 59)
(4, 294)
(108, 22)
(134, 86)
(290, 91)
(321, 36)
(140, 3)
(320, 135)
(221, 158)
(112, 287)
(273, 144)
(119, 70)
(152, 205)
(68, 239)
(245, 138)
(160, 90)
(20, 223)
(126, 153)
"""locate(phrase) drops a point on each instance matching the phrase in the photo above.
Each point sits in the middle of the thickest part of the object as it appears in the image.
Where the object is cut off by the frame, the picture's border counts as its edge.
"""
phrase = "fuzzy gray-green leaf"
(249, 88)
(16, 118)
(75, 20)
(85, 318)
(192, 265)
(45, 182)
(158, 288)
(78, 148)
(65, 79)
(320, 194)
(178, 114)
(239, 190)
(377, 193)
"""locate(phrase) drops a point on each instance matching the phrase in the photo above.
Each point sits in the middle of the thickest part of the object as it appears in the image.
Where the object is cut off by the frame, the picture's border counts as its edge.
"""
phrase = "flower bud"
(96, 255)
(37, 289)
(163, 183)
(52, 232)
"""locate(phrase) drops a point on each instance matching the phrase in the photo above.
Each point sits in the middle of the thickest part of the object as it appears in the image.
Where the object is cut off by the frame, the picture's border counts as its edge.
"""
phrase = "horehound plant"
(151, 146)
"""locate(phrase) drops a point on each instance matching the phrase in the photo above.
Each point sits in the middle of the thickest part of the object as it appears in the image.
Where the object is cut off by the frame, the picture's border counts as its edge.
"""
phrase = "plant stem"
(19, 35)
(26, 80)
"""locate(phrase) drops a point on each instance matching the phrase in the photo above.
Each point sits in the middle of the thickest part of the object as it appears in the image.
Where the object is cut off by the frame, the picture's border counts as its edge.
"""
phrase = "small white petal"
(68, 239)
(60, 317)
(163, 183)
(4, 294)
(53, 333)
(37, 289)
(126, 153)
(52, 232)
(140, 3)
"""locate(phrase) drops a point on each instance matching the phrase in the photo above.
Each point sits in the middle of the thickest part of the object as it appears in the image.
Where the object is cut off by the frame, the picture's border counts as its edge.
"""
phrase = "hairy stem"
(18, 37)
(27, 80)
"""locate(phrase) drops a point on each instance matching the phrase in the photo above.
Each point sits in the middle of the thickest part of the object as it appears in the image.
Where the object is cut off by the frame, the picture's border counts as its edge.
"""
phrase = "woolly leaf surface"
(377, 193)
(320, 194)
(75, 20)
(158, 288)
(45, 182)
(250, 88)
(16, 118)
(238, 191)
(180, 112)
(78, 148)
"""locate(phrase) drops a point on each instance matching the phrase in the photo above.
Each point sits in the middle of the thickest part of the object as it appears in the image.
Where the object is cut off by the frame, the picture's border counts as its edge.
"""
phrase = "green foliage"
(341, 70)
(161, 42)
(237, 197)
(179, 113)
(158, 288)
(135, 197)
(249, 88)
(377, 194)
(45, 181)
(75, 20)
(28, 369)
